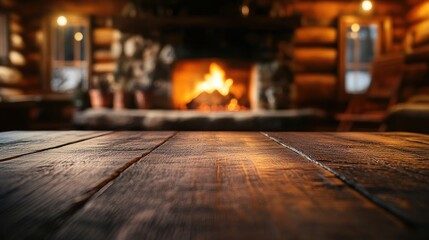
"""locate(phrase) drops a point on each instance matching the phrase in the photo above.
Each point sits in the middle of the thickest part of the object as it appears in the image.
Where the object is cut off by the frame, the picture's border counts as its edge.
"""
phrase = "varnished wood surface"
(390, 169)
(214, 185)
(14, 144)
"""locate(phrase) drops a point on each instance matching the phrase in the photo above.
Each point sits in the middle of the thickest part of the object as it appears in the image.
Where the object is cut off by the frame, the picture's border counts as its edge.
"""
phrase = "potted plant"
(126, 50)
(100, 95)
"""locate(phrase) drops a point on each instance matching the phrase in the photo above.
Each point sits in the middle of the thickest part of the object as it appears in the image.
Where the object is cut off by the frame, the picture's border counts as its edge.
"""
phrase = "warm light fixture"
(355, 27)
(367, 5)
(78, 36)
(245, 10)
(62, 21)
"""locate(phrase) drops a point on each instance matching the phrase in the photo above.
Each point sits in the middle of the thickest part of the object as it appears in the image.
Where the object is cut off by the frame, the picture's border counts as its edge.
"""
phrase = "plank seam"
(53, 147)
(360, 190)
(50, 227)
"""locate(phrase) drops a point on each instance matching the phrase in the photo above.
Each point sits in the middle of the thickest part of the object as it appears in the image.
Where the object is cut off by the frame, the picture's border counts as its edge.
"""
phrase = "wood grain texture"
(418, 13)
(315, 87)
(412, 3)
(104, 67)
(420, 54)
(39, 191)
(18, 143)
(391, 169)
(214, 185)
(420, 34)
(103, 36)
(399, 34)
(315, 36)
(415, 73)
(103, 56)
(328, 11)
(315, 60)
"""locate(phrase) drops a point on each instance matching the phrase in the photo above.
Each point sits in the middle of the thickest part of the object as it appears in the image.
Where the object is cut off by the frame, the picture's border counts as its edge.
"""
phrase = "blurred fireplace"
(213, 84)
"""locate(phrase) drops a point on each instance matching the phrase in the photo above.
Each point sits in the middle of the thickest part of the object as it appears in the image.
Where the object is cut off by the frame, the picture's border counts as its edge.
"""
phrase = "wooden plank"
(420, 54)
(415, 74)
(104, 67)
(399, 34)
(315, 87)
(315, 36)
(42, 188)
(18, 143)
(315, 60)
(420, 34)
(391, 169)
(92, 7)
(104, 36)
(218, 185)
(415, 2)
(418, 13)
(103, 56)
(325, 11)
(254, 23)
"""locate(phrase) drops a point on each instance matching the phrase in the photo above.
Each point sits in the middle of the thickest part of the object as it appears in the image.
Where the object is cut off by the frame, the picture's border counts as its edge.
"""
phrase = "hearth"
(212, 85)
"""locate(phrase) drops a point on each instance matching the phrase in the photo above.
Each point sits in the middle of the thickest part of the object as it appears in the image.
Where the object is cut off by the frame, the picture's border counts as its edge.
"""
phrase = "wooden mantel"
(137, 24)
(213, 185)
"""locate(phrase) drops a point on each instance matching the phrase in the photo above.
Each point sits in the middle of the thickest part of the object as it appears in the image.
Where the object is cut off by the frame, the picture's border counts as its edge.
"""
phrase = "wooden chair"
(371, 107)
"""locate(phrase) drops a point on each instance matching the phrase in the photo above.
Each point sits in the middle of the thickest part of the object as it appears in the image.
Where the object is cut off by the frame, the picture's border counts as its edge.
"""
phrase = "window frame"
(4, 60)
(50, 61)
(384, 44)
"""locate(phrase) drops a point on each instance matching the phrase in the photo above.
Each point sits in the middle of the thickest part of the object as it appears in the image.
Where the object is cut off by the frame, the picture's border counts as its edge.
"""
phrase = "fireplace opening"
(212, 85)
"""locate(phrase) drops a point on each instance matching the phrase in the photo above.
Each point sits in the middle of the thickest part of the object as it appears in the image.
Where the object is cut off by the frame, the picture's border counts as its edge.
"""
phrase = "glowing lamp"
(78, 36)
(367, 5)
(355, 28)
(61, 21)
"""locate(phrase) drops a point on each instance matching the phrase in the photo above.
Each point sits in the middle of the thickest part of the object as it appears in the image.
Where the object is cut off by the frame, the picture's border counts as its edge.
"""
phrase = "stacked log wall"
(18, 72)
(316, 57)
(104, 64)
(35, 20)
(417, 48)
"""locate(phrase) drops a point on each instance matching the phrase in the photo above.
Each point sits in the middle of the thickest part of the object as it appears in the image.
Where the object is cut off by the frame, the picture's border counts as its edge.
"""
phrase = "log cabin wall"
(35, 21)
(417, 49)
(316, 42)
(316, 45)
(103, 62)
(15, 74)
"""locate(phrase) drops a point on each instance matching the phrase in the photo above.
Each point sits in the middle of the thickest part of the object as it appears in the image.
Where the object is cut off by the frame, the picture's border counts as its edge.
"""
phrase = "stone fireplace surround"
(306, 119)
(257, 118)
(257, 39)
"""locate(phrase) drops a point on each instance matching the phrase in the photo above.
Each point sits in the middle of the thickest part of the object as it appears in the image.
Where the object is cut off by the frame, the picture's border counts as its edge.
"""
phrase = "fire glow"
(214, 81)
(213, 94)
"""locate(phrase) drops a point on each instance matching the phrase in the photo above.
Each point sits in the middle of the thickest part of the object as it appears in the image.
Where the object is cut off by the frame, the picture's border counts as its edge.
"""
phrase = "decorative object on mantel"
(9, 75)
(143, 69)
(200, 30)
(272, 85)
(101, 94)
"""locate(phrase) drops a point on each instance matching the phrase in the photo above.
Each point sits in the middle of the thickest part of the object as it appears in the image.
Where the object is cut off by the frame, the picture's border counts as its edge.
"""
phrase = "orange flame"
(214, 80)
(233, 105)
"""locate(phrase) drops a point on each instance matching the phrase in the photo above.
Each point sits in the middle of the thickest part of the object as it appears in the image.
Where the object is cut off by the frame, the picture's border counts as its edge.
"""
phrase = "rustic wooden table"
(222, 185)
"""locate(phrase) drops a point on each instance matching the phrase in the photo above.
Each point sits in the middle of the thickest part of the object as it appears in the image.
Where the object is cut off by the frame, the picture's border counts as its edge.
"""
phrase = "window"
(361, 41)
(361, 48)
(69, 48)
(3, 39)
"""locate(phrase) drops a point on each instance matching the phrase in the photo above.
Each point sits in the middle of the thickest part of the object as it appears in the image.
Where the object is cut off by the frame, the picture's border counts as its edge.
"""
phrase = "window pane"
(69, 43)
(57, 55)
(367, 40)
(69, 65)
(360, 52)
(357, 81)
(349, 50)
(66, 78)
(83, 43)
